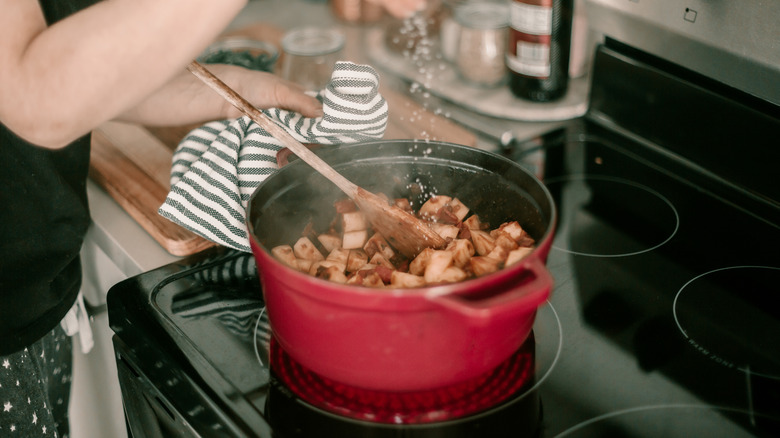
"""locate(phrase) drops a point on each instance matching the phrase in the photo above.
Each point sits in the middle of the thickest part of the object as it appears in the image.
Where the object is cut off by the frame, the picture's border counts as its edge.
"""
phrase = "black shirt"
(43, 218)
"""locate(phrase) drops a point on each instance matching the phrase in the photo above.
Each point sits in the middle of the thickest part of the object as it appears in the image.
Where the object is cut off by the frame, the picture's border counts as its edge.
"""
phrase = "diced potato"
(354, 239)
(461, 250)
(305, 249)
(458, 208)
(517, 255)
(404, 280)
(447, 232)
(356, 259)
(504, 240)
(378, 244)
(367, 278)
(325, 264)
(380, 259)
(439, 261)
(344, 206)
(339, 255)
(403, 204)
(517, 233)
(482, 265)
(431, 207)
(513, 229)
(473, 222)
(285, 254)
(353, 221)
(304, 265)
(452, 274)
(373, 280)
(482, 241)
(465, 232)
(329, 241)
(359, 256)
(526, 240)
(365, 270)
(331, 273)
(450, 212)
(445, 216)
(367, 267)
(417, 266)
(499, 253)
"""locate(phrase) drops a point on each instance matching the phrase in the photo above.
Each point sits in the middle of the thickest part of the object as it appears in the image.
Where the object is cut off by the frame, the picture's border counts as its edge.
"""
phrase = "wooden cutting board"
(132, 163)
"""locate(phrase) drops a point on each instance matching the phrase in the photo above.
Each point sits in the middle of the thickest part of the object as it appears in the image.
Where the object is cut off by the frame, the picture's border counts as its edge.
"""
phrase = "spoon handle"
(275, 130)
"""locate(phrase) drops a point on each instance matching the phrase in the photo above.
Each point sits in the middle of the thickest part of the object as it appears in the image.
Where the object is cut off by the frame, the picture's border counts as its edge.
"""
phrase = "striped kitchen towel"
(217, 166)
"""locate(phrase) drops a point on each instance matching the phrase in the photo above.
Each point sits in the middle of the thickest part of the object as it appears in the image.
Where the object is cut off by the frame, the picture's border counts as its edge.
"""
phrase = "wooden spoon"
(406, 233)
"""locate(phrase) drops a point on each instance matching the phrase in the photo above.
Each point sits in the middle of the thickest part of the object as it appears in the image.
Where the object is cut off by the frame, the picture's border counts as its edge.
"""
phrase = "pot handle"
(525, 296)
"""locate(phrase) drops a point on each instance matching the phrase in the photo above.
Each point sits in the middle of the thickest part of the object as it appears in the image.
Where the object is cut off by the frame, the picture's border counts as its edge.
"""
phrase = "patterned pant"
(35, 388)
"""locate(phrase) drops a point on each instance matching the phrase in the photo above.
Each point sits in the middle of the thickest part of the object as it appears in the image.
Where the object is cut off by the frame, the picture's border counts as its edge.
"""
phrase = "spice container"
(482, 41)
(310, 53)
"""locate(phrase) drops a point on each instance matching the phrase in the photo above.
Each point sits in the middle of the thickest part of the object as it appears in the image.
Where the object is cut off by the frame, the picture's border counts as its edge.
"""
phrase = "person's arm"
(186, 99)
(59, 82)
(183, 100)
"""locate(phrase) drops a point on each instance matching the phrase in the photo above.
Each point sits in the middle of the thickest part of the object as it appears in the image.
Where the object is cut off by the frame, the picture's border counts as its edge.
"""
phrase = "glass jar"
(482, 41)
(309, 55)
(449, 29)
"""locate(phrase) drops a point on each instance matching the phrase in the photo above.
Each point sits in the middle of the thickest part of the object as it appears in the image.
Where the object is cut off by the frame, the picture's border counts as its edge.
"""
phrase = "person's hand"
(187, 100)
(401, 8)
(266, 90)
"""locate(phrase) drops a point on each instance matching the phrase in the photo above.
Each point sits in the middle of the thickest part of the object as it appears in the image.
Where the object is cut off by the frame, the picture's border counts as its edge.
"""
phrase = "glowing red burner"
(448, 403)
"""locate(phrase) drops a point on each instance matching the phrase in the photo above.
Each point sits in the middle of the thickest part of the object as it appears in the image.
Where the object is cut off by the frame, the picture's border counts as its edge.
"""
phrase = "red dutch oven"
(402, 339)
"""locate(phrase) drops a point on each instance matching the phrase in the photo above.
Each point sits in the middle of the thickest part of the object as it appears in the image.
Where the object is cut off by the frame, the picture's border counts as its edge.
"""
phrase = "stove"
(662, 320)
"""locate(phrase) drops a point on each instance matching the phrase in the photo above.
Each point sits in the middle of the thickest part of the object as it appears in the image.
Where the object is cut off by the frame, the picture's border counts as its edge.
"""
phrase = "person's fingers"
(266, 90)
(291, 97)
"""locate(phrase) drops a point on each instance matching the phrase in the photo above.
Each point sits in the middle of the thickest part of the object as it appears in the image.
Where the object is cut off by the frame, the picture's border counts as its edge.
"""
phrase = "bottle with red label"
(538, 51)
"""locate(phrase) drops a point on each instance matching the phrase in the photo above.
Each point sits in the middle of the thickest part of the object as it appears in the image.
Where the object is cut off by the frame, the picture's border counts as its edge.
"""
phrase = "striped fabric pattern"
(217, 166)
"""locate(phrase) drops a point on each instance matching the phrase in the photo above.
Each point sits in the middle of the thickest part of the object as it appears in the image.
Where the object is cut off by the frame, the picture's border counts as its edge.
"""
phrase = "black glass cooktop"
(662, 320)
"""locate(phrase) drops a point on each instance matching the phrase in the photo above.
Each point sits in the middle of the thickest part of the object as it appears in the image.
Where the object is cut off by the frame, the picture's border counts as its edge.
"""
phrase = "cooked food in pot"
(349, 252)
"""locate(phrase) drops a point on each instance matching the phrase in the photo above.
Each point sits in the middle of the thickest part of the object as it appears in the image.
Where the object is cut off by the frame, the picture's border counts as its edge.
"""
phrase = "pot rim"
(503, 275)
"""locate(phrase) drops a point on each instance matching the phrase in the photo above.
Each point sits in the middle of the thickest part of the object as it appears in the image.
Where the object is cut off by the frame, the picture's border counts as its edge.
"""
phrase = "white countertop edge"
(121, 238)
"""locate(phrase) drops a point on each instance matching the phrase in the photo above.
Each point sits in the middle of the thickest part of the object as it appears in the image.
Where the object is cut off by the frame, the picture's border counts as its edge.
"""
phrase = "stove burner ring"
(547, 333)
(416, 407)
(669, 420)
(262, 350)
(594, 195)
(733, 332)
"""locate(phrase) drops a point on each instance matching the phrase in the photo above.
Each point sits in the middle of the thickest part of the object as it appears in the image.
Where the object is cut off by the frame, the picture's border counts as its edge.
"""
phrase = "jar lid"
(483, 15)
(312, 41)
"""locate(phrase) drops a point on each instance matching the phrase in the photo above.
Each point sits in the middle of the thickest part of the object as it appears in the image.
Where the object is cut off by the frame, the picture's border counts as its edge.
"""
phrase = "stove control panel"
(734, 42)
